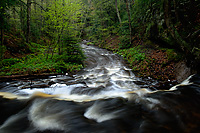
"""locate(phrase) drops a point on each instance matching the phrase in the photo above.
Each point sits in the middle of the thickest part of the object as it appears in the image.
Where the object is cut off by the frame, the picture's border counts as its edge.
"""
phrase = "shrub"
(124, 42)
(132, 54)
(11, 61)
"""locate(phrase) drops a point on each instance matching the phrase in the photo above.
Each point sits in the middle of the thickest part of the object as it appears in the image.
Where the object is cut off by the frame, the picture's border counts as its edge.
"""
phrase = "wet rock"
(51, 82)
(182, 71)
(73, 82)
(62, 79)
(44, 85)
(139, 82)
(87, 91)
(164, 85)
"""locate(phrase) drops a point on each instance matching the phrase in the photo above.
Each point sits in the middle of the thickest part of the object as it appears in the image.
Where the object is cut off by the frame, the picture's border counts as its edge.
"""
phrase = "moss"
(172, 55)
(90, 43)
(148, 42)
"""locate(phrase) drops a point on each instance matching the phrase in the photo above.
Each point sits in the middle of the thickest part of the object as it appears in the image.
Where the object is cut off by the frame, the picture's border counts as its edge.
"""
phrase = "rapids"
(104, 76)
(103, 97)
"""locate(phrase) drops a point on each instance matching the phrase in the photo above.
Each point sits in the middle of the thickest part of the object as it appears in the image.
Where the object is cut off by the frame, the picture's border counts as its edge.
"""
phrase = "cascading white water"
(104, 76)
(102, 98)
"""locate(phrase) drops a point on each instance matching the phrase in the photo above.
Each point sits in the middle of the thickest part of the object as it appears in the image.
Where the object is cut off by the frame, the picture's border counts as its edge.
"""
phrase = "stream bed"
(103, 97)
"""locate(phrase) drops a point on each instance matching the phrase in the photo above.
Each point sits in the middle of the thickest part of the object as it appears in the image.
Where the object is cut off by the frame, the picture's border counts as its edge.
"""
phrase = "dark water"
(105, 97)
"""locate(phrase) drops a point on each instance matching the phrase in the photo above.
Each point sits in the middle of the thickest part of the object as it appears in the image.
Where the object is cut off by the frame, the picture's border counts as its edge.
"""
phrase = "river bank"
(20, 59)
(148, 59)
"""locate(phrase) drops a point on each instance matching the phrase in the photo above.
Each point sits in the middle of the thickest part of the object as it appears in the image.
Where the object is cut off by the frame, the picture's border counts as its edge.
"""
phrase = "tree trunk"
(63, 2)
(2, 38)
(59, 41)
(28, 31)
(118, 15)
(192, 14)
(48, 50)
(129, 19)
(14, 16)
(1, 50)
(22, 20)
(175, 9)
(41, 18)
(47, 3)
(183, 45)
(35, 6)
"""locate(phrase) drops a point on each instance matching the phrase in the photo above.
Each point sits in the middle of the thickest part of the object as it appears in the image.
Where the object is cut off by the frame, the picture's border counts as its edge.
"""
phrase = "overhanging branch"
(39, 6)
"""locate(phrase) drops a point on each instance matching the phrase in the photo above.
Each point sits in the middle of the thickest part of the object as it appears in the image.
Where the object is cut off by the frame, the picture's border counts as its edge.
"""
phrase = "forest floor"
(162, 64)
(23, 60)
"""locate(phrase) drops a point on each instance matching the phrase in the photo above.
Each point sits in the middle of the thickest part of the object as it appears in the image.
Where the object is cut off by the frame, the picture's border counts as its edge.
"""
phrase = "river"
(103, 97)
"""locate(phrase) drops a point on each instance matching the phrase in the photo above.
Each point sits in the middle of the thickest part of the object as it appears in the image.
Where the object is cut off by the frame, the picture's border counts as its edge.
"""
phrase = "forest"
(41, 36)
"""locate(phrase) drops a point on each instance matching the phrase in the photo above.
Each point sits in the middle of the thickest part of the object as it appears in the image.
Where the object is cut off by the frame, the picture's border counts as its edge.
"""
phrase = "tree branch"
(33, 3)
(39, 6)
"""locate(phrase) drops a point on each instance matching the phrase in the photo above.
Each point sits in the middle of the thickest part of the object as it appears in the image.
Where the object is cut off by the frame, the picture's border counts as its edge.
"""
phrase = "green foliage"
(35, 47)
(37, 64)
(173, 55)
(90, 43)
(124, 42)
(72, 54)
(132, 54)
(55, 29)
(10, 61)
(62, 16)
(35, 31)
(146, 14)
(101, 19)
(57, 25)
(2, 50)
(5, 5)
(70, 60)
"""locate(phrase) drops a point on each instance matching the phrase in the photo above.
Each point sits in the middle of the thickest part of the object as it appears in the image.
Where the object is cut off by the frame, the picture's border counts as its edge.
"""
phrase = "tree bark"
(47, 3)
(22, 21)
(118, 14)
(1, 50)
(28, 31)
(14, 16)
(175, 9)
(1, 36)
(129, 19)
(35, 6)
(41, 17)
(59, 41)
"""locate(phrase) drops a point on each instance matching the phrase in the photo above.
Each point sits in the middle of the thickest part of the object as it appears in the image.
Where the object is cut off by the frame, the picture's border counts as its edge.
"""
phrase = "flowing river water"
(104, 97)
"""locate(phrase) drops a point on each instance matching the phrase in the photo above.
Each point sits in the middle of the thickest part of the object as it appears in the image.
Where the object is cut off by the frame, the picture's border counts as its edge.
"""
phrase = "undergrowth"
(132, 55)
(39, 61)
